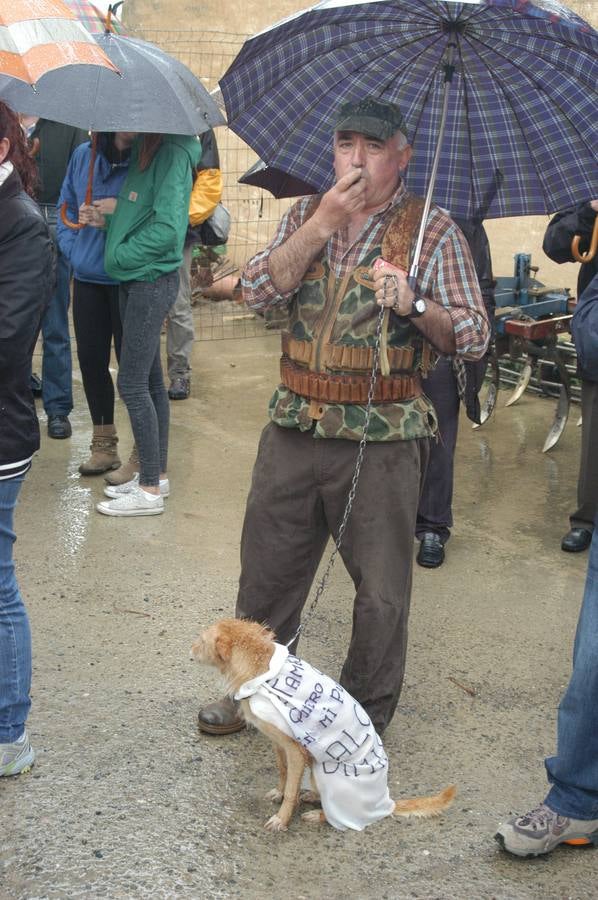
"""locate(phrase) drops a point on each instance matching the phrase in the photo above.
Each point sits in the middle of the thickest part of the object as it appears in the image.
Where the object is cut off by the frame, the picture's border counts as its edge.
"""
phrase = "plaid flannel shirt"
(446, 271)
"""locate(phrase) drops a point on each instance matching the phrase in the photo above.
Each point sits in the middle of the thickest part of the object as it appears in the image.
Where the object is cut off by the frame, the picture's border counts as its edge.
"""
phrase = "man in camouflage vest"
(334, 261)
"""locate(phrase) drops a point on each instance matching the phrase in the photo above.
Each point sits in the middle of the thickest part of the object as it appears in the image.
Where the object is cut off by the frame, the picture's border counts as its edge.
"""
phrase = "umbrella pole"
(449, 70)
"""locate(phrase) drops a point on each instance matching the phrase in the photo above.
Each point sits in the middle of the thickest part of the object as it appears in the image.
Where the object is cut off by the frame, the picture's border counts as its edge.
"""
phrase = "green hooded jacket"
(146, 232)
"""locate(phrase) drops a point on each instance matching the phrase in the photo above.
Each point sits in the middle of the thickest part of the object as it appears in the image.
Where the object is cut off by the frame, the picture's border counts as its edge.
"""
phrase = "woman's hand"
(91, 215)
(106, 206)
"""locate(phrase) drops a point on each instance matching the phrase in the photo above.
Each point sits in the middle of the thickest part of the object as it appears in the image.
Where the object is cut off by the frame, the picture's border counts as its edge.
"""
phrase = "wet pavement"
(126, 800)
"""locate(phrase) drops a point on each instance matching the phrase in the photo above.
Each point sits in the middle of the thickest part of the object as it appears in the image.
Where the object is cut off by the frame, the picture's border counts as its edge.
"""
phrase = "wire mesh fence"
(254, 212)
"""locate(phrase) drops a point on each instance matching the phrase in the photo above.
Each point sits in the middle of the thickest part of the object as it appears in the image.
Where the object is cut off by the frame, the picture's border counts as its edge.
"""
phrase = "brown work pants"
(298, 495)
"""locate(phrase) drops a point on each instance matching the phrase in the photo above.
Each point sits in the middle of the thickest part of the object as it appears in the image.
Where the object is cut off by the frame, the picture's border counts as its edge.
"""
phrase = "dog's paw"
(274, 795)
(275, 824)
(314, 817)
(309, 797)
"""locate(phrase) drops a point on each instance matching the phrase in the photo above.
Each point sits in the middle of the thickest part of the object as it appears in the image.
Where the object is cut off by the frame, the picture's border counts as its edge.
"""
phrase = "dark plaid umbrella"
(508, 88)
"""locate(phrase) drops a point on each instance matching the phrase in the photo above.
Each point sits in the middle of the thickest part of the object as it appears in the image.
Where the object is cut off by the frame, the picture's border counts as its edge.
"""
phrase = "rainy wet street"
(126, 800)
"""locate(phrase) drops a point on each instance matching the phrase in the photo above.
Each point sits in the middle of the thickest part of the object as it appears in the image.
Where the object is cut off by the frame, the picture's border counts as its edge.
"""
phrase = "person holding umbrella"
(26, 286)
(146, 230)
(96, 315)
(334, 261)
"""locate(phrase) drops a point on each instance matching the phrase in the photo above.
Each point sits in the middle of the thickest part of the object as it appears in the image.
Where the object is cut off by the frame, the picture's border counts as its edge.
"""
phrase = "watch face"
(419, 306)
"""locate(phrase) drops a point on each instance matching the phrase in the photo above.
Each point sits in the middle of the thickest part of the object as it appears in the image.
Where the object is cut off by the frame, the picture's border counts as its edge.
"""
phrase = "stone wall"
(206, 36)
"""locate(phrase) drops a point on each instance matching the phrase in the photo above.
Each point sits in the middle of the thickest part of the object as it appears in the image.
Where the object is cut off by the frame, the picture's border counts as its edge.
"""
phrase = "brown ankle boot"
(126, 471)
(103, 451)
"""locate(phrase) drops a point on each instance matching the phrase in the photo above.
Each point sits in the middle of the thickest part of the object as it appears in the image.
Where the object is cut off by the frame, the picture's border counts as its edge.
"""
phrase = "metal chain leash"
(360, 454)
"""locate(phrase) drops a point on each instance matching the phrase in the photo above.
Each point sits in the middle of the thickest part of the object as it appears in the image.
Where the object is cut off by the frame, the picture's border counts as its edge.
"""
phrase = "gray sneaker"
(180, 388)
(135, 502)
(16, 757)
(541, 830)
(119, 489)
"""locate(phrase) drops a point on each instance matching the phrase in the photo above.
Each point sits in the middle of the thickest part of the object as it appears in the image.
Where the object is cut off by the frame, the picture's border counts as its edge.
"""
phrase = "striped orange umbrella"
(37, 36)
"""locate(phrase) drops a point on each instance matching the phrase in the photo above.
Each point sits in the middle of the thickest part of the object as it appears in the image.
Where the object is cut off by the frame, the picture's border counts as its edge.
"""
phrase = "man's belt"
(335, 388)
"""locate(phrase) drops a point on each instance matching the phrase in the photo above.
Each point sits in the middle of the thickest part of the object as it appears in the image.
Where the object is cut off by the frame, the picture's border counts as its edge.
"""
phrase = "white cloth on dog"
(350, 766)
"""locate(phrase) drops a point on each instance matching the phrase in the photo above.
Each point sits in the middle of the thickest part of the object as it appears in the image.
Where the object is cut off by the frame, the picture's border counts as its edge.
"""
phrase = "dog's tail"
(426, 806)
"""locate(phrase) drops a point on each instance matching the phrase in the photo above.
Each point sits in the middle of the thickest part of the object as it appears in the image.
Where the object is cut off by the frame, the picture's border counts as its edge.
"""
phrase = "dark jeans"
(143, 308)
(435, 512)
(298, 495)
(57, 367)
(96, 318)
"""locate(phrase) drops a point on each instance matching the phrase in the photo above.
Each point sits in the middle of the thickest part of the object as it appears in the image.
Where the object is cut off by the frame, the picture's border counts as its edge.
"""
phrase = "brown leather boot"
(104, 455)
(222, 717)
(126, 471)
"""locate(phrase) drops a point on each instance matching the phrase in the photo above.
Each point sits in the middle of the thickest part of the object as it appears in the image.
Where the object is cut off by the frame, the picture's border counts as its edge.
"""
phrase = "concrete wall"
(180, 25)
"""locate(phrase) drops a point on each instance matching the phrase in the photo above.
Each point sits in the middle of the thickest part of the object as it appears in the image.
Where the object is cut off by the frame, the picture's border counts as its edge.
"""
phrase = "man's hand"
(391, 287)
(341, 202)
(594, 205)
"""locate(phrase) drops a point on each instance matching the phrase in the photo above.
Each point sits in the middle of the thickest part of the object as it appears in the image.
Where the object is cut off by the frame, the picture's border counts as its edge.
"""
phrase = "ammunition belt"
(336, 388)
(343, 356)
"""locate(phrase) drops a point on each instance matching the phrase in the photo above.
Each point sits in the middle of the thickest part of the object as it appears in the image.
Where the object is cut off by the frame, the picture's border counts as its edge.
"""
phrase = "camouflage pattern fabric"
(328, 331)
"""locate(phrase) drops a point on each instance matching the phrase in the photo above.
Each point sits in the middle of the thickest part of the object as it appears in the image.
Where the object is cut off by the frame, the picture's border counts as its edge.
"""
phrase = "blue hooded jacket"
(584, 327)
(84, 248)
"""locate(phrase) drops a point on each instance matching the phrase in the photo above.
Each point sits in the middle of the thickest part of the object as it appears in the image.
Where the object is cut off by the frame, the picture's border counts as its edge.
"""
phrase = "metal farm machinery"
(528, 352)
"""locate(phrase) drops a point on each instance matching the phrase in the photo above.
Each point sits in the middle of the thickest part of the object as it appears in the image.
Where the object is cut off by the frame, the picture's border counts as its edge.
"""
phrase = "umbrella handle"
(76, 226)
(591, 252)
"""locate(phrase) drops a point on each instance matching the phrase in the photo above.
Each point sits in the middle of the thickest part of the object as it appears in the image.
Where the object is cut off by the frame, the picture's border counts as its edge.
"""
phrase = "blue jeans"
(573, 772)
(143, 308)
(15, 636)
(57, 369)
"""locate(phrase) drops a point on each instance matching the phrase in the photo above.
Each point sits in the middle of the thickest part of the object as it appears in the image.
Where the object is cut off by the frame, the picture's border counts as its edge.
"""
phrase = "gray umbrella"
(153, 93)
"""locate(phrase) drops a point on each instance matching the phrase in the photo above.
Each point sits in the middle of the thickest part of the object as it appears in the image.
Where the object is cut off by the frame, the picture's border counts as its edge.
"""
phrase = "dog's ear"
(223, 647)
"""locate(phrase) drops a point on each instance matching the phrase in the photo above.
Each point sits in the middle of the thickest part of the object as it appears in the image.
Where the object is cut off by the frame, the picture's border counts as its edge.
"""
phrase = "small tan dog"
(312, 721)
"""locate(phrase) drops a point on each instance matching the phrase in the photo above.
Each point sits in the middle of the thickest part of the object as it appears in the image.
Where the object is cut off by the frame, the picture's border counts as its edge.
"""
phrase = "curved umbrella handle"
(76, 226)
(591, 252)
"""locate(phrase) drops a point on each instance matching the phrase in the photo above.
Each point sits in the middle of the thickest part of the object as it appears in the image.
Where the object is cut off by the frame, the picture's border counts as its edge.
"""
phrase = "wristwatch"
(418, 308)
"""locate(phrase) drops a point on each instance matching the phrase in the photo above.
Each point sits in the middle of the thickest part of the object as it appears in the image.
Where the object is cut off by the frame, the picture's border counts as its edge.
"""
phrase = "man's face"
(381, 162)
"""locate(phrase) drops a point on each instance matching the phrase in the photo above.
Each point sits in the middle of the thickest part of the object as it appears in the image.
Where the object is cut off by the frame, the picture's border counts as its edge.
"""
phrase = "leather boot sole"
(207, 728)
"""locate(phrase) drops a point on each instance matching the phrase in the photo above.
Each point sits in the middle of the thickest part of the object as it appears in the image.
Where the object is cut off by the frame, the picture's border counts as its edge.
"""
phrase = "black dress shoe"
(576, 540)
(222, 717)
(36, 385)
(59, 427)
(431, 551)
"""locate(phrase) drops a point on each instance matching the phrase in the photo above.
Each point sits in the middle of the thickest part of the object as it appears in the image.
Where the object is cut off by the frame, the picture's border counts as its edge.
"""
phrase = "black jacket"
(476, 237)
(26, 284)
(561, 231)
(557, 245)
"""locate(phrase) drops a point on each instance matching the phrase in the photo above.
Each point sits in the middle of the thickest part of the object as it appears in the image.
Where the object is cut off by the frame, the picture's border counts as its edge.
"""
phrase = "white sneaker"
(117, 490)
(135, 502)
(17, 756)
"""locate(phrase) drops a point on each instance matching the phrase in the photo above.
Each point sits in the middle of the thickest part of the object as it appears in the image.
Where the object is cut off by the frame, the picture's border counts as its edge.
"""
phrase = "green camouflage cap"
(373, 117)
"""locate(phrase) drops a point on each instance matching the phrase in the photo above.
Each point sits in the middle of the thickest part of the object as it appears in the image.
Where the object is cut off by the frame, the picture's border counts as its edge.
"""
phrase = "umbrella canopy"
(155, 93)
(276, 181)
(520, 135)
(39, 36)
(93, 19)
